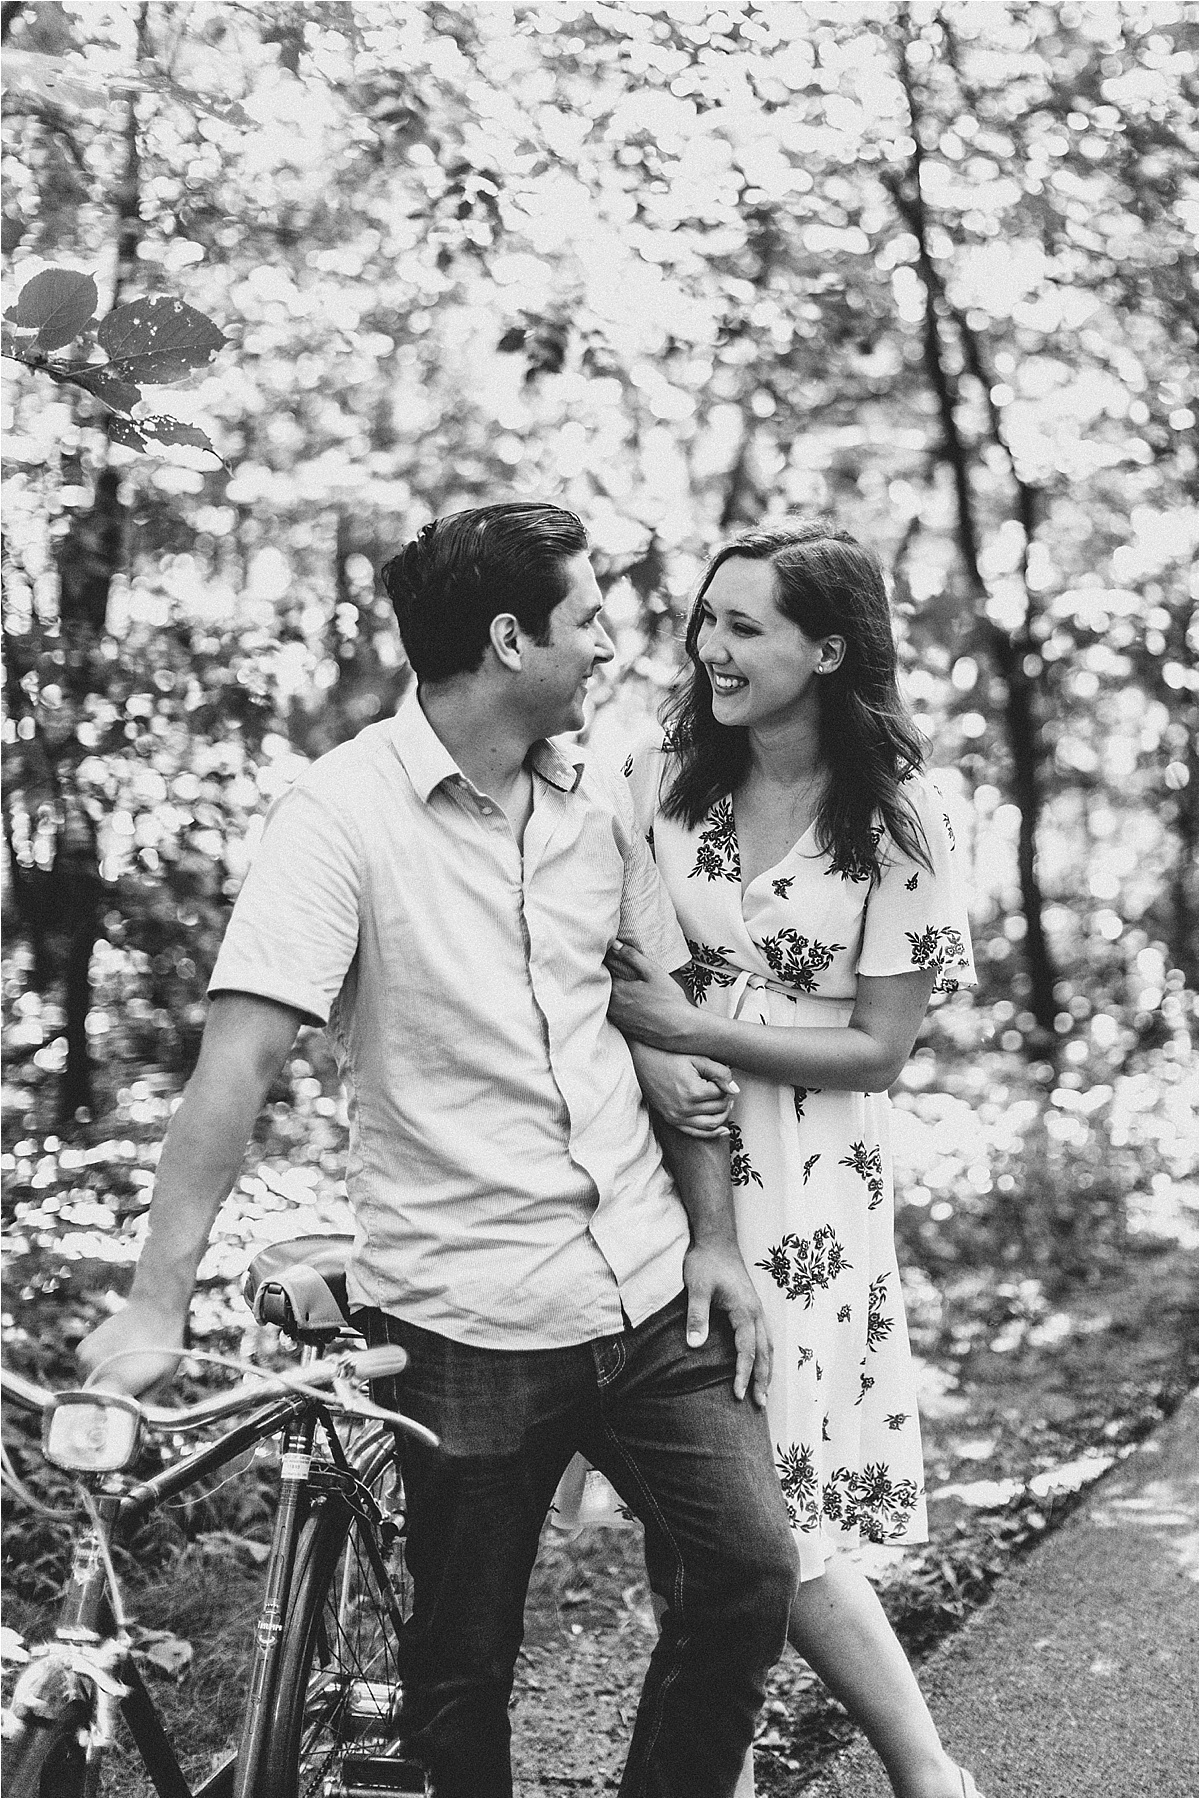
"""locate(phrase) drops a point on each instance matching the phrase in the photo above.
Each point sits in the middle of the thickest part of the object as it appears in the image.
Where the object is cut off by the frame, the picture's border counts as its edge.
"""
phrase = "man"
(442, 892)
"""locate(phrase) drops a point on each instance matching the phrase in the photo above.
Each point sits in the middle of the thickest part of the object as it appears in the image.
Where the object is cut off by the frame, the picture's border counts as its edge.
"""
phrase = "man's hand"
(132, 1351)
(715, 1274)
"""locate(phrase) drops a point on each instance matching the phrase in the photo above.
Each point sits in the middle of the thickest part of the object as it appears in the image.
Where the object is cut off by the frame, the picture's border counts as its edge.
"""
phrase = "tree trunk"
(1006, 651)
(78, 864)
(738, 485)
(740, 500)
(343, 647)
(1183, 926)
(90, 556)
(30, 782)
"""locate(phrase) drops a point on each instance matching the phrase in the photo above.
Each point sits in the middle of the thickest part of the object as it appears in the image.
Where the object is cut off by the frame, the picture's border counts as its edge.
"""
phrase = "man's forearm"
(713, 1270)
(700, 1166)
(244, 1047)
(245, 1042)
(200, 1161)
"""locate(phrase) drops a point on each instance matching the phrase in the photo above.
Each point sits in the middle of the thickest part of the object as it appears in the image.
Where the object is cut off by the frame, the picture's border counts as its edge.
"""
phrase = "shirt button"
(487, 811)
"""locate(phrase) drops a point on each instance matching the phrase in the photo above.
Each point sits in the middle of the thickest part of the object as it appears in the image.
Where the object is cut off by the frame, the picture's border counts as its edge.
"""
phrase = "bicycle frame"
(86, 1621)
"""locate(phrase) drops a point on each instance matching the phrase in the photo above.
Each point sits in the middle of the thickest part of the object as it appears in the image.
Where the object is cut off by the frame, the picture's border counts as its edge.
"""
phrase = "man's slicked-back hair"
(454, 577)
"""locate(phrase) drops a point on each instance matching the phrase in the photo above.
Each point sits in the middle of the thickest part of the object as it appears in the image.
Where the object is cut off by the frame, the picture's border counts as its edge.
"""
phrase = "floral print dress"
(812, 1170)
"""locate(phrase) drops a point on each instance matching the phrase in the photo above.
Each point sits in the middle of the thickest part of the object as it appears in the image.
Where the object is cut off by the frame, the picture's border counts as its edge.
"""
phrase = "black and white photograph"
(599, 891)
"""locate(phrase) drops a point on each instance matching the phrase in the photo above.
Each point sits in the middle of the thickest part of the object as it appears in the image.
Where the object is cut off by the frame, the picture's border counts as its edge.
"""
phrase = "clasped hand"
(690, 1091)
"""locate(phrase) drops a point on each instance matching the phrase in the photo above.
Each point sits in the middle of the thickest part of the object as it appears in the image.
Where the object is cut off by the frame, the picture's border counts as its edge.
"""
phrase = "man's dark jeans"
(695, 1465)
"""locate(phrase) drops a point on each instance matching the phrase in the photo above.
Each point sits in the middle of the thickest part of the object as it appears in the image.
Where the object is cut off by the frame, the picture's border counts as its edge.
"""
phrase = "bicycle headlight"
(92, 1433)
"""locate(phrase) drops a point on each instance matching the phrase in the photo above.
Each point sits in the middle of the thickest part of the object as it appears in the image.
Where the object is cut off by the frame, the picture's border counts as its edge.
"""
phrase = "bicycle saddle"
(300, 1285)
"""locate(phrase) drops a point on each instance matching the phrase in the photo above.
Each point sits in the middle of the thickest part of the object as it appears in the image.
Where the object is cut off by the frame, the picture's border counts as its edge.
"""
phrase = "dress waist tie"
(747, 981)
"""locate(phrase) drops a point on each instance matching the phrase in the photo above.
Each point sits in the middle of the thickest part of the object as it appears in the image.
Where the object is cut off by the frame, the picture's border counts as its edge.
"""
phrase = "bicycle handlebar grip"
(379, 1363)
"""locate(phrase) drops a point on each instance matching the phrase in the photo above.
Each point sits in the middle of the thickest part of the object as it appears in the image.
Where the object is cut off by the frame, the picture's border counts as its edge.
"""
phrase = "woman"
(811, 864)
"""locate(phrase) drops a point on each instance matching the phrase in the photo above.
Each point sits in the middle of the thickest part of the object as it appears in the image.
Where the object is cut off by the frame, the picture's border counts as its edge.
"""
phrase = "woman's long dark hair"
(830, 585)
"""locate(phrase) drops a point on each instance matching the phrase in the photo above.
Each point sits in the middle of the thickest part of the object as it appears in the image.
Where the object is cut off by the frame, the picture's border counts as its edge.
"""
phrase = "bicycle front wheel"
(333, 1728)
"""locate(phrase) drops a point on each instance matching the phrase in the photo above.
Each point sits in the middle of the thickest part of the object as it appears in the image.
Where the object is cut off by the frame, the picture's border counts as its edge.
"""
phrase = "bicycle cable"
(12, 1483)
(187, 1499)
(120, 1617)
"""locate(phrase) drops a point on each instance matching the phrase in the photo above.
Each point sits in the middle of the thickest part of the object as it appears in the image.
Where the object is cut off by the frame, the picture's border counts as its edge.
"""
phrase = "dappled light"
(286, 281)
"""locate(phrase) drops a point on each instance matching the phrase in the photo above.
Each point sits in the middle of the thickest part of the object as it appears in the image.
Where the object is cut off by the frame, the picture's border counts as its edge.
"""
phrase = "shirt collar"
(428, 762)
(548, 760)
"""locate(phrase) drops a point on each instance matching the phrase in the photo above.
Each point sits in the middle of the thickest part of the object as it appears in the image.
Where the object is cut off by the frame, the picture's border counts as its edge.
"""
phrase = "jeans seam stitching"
(675, 1669)
(606, 1380)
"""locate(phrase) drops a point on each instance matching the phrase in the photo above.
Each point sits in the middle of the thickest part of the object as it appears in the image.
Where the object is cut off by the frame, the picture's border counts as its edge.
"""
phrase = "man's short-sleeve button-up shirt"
(507, 1186)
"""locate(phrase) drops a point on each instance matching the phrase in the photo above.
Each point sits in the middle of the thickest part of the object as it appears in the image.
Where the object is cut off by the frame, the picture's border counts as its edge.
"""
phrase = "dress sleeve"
(647, 917)
(915, 918)
(643, 768)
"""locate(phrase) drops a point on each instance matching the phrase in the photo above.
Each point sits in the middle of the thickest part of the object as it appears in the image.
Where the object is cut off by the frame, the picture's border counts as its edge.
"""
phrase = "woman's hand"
(690, 1092)
(647, 1004)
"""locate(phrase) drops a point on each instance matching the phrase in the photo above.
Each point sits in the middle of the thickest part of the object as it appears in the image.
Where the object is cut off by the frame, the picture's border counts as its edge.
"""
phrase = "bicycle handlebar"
(336, 1375)
(27, 1394)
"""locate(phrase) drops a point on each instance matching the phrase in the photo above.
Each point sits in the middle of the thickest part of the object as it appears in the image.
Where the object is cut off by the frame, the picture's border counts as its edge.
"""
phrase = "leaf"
(230, 112)
(57, 304)
(108, 387)
(166, 430)
(52, 79)
(159, 339)
(171, 1654)
(125, 432)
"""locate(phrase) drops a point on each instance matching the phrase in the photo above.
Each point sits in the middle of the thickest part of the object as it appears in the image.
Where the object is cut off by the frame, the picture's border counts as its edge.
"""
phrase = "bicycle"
(324, 1692)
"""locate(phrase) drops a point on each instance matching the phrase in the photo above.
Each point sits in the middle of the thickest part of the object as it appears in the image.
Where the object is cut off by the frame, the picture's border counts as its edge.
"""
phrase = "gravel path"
(1079, 1676)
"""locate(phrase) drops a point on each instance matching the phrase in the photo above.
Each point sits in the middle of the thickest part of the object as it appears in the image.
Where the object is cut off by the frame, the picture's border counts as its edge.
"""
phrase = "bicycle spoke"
(357, 1643)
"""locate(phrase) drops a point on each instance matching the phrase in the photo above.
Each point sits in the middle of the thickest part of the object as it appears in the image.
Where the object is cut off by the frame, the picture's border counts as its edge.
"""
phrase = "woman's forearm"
(841, 1057)
(865, 1055)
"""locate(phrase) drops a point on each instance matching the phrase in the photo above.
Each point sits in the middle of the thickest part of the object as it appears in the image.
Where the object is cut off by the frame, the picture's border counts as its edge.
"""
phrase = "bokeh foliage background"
(683, 268)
